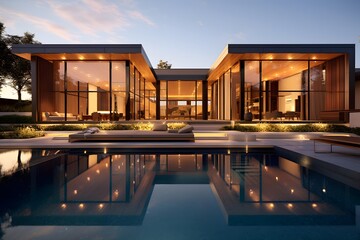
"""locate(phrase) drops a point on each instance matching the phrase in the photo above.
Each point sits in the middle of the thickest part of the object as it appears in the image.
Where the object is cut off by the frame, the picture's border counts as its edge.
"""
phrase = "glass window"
(94, 73)
(288, 74)
(119, 97)
(252, 85)
(235, 92)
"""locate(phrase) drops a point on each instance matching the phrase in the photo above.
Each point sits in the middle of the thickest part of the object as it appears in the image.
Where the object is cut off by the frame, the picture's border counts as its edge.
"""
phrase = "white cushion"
(186, 129)
(159, 127)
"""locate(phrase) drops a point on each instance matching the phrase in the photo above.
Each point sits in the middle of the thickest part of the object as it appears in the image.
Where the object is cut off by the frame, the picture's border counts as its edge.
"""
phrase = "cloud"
(90, 16)
(139, 16)
(40, 22)
(96, 16)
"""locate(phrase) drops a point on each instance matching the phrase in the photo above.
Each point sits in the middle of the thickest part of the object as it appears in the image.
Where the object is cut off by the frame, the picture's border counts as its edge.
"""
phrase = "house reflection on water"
(90, 187)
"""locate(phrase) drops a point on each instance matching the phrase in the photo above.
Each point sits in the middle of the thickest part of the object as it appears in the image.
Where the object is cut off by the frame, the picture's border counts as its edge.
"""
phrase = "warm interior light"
(292, 191)
(271, 205)
(75, 191)
(88, 178)
(81, 205)
(276, 178)
(98, 171)
(314, 205)
(63, 58)
(105, 150)
(101, 205)
(85, 152)
(63, 206)
(290, 205)
(81, 58)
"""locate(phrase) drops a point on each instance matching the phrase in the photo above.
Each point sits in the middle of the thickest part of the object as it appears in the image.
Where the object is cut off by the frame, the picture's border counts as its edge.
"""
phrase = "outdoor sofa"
(93, 134)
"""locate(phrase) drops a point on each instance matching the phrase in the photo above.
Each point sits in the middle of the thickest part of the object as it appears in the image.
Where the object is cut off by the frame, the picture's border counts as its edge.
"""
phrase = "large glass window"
(95, 91)
(118, 85)
(282, 90)
(252, 88)
(181, 99)
(91, 79)
(235, 92)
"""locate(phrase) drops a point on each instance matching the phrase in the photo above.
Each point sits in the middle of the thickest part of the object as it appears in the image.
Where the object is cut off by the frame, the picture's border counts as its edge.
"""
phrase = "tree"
(163, 65)
(15, 71)
(3, 56)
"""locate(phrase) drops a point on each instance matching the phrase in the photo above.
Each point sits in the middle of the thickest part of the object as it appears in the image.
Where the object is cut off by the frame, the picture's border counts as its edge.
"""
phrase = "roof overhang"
(89, 52)
(182, 74)
(233, 53)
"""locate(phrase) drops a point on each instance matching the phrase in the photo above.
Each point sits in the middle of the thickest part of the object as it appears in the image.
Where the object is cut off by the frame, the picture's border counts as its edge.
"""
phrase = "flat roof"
(235, 52)
(78, 52)
(182, 74)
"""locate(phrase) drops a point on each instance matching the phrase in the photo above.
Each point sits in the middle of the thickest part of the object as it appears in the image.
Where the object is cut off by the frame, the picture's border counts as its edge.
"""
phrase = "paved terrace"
(344, 158)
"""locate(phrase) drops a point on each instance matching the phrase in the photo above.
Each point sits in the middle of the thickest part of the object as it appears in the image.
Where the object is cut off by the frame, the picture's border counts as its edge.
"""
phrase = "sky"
(186, 33)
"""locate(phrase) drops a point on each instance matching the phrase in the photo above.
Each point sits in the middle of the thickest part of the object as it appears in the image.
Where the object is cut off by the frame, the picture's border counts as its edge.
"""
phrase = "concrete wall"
(355, 119)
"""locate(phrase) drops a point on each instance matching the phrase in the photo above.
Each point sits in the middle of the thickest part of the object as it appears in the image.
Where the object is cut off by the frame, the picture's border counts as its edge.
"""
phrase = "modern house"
(259, 82)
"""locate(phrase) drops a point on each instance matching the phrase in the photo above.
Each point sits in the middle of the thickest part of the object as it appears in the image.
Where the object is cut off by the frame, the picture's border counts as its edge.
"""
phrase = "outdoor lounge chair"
(132, 135)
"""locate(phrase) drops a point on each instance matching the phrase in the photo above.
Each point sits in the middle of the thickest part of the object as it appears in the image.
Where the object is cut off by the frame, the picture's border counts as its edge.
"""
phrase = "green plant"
(176, 125)
(311, 127)
(142, 126)
(23, 132)
(64, 127)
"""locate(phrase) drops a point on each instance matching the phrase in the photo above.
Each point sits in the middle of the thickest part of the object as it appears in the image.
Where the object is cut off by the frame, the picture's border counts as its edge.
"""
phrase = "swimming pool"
(173, 194)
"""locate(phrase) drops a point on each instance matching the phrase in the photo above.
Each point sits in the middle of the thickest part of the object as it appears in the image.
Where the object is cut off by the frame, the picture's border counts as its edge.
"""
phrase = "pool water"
(187, 194)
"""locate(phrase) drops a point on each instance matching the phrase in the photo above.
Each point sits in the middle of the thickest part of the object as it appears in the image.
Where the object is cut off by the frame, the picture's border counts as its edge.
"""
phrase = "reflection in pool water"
(193, 195)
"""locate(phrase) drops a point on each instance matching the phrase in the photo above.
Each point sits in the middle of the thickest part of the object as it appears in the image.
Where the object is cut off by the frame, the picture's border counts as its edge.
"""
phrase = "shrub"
(142, 126)
(23, 132)
(311, 127)
(114, 126)
(64, 127)
(176, 125)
